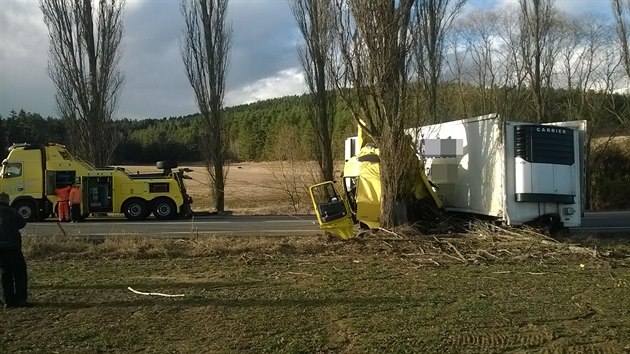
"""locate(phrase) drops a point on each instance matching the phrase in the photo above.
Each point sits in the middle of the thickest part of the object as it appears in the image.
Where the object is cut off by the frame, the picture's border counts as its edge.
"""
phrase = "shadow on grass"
(197, 301)
(133, 284)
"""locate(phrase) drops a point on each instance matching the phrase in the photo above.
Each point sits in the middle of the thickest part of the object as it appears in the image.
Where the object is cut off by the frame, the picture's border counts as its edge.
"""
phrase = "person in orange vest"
(63, 209)
(75, 203)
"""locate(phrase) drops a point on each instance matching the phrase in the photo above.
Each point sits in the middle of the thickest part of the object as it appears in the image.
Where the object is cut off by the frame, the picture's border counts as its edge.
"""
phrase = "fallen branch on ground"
(153, 294)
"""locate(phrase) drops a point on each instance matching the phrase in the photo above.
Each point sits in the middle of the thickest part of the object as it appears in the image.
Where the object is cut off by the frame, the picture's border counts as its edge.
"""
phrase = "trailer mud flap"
(333, 212)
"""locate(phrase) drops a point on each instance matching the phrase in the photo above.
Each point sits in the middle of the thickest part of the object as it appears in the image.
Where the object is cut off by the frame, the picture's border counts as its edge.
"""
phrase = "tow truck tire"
(27, 209)
(45, 211)
(167, 164)
(164, 209)
(136, 209)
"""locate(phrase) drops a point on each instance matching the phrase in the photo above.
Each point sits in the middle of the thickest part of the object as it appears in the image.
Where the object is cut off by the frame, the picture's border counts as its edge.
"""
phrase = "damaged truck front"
(510, 172)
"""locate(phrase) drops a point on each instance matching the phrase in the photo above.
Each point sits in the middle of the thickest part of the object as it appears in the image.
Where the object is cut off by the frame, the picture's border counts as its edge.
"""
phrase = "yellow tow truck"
(31, 173)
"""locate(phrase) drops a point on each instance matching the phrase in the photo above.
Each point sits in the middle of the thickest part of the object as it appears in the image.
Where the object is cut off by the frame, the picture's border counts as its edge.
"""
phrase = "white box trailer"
(515, 172)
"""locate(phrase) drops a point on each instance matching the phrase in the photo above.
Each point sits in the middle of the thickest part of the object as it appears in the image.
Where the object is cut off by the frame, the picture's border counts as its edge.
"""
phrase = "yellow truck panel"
(362, 194)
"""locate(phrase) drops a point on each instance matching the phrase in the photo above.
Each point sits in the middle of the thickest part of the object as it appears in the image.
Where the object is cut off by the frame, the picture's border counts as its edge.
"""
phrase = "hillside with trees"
(269, 130)
(255, 129)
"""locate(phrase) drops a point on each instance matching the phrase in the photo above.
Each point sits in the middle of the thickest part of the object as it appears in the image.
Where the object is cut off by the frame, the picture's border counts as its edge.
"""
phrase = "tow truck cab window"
(10, 170)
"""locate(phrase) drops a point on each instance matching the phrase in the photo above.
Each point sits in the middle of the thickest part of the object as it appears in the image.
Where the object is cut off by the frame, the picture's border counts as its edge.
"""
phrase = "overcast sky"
(263, 60)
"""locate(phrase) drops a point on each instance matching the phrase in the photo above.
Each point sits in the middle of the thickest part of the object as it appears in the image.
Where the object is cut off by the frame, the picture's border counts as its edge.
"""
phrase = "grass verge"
(483, 292)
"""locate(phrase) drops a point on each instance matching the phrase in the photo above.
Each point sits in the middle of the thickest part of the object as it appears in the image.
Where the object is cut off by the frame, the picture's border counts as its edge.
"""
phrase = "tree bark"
(622, 18)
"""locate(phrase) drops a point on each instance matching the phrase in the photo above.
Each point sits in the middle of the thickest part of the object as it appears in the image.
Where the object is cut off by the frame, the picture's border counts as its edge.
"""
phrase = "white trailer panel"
(471, 181)
(513, 171)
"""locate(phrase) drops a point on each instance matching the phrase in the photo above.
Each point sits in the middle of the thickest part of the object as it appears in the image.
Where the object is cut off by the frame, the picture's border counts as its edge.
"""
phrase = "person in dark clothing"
(74, 200)
(14, 276)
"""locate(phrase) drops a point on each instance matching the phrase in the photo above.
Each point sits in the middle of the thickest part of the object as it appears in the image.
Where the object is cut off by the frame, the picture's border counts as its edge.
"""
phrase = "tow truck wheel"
(164, 209)
(135, 209)
(26, 209)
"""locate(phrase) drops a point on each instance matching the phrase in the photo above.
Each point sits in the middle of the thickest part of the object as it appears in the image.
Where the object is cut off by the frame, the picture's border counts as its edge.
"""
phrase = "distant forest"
(275, 128)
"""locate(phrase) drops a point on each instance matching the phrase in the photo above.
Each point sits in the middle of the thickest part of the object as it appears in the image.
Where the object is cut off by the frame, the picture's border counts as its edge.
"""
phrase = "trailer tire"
(167, 164)
(136, 209)
(27, 209)
(164, 209)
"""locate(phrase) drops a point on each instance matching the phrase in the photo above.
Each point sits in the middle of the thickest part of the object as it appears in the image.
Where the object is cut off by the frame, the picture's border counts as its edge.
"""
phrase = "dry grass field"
(262, 188)
(486, 292)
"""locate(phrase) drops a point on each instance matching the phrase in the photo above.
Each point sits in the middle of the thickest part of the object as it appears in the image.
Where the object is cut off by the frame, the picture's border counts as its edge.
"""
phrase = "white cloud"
(583, 6)
(623, 91)
(284, 83)
(570, 6)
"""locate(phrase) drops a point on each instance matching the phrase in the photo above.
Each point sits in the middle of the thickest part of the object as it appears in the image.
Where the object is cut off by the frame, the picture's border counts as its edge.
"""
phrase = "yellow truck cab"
(31, 173)
(360, 199)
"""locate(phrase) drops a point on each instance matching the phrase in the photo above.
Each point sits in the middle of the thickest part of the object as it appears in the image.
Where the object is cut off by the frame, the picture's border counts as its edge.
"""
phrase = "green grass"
(315, 294)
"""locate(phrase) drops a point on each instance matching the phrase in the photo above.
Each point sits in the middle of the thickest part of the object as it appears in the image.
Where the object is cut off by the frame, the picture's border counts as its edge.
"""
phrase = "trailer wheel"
(136, 209)
(164, 209)
(27, 209)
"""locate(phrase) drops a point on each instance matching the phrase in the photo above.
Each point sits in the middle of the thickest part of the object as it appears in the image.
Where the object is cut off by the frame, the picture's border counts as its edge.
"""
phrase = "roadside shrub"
(609, 177)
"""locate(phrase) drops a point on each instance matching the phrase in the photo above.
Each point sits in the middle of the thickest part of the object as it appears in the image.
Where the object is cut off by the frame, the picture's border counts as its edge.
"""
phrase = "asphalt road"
(593, 222)
(95, 227)
(605, 221)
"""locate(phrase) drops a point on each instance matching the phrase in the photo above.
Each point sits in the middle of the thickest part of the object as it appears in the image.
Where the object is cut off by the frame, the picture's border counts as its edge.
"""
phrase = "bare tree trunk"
(512, 67)
(480, 33)
(622, 18)
(314, 19)
(537, 21)
(457, 65)
(205, 49)
(84, 56)
(432, 20)
(373, 47)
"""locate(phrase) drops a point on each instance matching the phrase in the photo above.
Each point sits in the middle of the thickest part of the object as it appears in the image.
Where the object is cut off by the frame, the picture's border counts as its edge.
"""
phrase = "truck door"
(97, 194)
(51, 184)
(85, 206)
(12, 179)
(333, 212)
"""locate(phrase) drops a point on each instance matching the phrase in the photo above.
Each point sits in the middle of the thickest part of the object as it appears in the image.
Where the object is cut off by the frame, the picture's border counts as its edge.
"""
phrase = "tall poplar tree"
(205, 48)
(83, 64)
